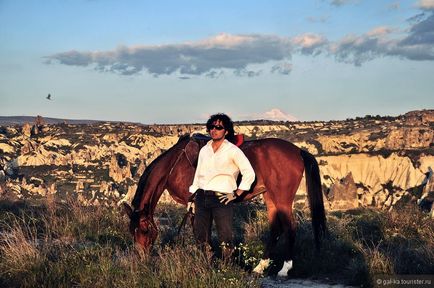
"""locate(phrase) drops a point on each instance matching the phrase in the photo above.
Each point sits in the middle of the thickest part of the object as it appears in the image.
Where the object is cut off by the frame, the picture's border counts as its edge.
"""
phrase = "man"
(215, 182)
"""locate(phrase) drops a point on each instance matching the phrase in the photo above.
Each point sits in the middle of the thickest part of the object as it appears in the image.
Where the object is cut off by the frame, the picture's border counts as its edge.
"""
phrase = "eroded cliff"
(379, 161)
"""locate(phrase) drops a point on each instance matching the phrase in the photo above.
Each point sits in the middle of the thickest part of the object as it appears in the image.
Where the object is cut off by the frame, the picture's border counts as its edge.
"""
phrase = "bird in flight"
(49, 97)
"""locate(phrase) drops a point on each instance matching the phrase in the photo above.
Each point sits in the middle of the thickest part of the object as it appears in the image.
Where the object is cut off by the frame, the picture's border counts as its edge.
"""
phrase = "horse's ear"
(192, 151)
(127, 209)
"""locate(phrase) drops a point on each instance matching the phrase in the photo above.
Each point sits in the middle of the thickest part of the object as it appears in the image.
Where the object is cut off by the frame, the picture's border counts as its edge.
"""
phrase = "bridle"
(148, 221)
(179, 158)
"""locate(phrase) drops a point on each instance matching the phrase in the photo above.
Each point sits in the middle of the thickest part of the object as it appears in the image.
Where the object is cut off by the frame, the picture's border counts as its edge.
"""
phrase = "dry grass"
(18, 247)
(66, 245)
(63, 245)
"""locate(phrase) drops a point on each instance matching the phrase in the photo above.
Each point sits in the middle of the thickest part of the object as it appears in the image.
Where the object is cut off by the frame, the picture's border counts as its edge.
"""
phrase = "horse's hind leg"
(275, 227)
(287, 239)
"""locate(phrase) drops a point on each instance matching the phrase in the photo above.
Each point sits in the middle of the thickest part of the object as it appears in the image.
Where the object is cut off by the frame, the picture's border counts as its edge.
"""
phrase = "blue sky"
(180, 61)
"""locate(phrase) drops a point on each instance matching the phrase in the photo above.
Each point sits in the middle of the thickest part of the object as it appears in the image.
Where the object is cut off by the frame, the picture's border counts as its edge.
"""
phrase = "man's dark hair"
(227, 123)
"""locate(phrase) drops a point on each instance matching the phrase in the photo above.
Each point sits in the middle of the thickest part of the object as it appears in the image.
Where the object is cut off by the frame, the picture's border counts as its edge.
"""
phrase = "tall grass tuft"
(19, 249)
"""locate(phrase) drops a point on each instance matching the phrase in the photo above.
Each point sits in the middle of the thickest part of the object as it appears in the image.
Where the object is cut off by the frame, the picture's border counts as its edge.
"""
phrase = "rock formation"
(119, 169)
(370, 161)
(343, 194)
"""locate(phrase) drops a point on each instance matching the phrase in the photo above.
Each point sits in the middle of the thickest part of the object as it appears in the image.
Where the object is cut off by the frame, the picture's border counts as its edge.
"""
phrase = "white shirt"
(219, 171)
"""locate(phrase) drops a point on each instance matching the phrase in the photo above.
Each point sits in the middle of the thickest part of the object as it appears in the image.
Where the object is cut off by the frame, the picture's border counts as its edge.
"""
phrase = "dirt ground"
(297, 283)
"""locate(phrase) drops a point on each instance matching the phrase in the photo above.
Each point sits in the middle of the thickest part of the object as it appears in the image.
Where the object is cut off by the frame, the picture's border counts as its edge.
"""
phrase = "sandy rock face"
(259, 131)
(383, 181)
(6, 148)
(27, 130)
(374, 170)
(119, 168)
(104, 161)
(396, 139)
(419, 117)
(409, 137)
(307, 146)
(344, 143)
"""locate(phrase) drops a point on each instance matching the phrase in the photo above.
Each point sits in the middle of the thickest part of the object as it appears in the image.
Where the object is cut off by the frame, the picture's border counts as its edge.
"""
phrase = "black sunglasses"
(217, 127)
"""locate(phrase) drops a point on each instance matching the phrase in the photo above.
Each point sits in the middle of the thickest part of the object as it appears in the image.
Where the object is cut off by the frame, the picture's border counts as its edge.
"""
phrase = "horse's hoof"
(287, 265)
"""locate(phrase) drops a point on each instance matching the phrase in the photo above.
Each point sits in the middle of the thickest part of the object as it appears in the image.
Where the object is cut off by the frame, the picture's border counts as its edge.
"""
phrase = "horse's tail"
(315, 197)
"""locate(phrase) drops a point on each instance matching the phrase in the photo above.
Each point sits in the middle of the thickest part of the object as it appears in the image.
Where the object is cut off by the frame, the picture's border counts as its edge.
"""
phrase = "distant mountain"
(20, 120)
(417, 115)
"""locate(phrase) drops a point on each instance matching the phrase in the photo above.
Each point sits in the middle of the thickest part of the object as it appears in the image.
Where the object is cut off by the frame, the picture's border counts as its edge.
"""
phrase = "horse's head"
(142, 227)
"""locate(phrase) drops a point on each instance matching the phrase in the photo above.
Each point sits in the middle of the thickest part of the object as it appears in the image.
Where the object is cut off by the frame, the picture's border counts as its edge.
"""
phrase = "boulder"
(119, 168)
(26, 130)
(35, 130)
(343, 194)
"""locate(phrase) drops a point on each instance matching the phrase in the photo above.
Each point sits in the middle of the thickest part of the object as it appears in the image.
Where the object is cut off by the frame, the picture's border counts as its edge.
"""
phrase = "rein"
(173, 167)
(177, 160)
(189, 214)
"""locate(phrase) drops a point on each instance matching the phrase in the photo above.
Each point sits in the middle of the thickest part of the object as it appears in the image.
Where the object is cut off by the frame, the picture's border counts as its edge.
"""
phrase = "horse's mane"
(144, 178)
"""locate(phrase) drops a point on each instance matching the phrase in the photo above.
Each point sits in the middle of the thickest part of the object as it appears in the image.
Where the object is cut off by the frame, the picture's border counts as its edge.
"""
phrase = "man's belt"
(211, 193)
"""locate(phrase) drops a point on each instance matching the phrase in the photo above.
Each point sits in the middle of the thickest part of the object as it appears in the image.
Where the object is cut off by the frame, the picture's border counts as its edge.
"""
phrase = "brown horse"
(279, 167)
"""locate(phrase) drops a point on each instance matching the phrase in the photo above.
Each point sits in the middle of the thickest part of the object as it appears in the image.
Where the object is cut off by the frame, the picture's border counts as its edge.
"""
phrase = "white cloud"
(282, 68)
(421, 35)
(418, 44)
(426, 4)
(205, 57)
(309, 43)
(357, 49)
(342, 2)
(379, 31)
(248, 73)
(214, 56)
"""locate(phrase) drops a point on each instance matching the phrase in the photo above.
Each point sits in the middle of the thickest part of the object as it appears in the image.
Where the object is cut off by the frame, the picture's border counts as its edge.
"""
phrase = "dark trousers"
(208, 208)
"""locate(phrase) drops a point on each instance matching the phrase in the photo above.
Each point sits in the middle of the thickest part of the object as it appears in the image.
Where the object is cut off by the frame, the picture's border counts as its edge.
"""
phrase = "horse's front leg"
(275, 232)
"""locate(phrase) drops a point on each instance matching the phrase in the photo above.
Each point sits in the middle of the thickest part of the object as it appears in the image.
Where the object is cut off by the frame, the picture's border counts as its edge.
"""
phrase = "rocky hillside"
(369, 161)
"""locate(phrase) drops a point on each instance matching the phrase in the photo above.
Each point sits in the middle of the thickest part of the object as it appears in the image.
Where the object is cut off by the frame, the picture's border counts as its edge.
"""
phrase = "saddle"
(238, 139)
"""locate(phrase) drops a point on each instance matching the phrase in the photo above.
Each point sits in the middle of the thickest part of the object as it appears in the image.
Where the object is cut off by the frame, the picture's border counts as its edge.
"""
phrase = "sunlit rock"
(386, 156)
(343, 194)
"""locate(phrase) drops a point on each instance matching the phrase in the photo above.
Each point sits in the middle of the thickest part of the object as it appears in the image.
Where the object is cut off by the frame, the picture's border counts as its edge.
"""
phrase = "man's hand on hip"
(229, 197)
